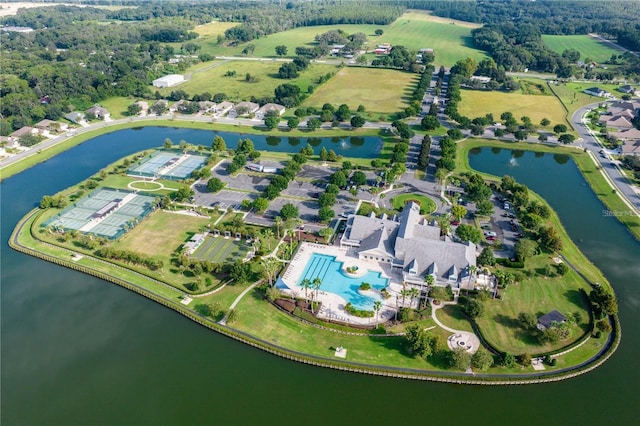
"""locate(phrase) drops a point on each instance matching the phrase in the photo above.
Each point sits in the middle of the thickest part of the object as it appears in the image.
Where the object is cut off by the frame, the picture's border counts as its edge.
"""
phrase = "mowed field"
(220, 249)
(477, 103)
(210, 77)
(588, 47)
(414, 30)
(379, 90)
(214, 29)
(160, 234)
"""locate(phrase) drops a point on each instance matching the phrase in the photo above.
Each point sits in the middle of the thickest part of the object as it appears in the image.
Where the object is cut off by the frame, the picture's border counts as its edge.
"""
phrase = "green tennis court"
(219, 249)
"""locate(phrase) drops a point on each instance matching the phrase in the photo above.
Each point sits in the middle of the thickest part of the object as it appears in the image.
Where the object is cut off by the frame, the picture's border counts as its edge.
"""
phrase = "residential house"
(548, 320)
(336, 49)
(630, 147)
(243, 108)
(26, 130)
(176, 107)
(262, 112)
(75, 117)
(382, 49)
(628, 90)
(596, 91)
(159, 102)
(632, 134)
(51, 126)
(144, 106)
(222, 108)
(98, 112)
(412, 246)
(617, 121)
(206, 107)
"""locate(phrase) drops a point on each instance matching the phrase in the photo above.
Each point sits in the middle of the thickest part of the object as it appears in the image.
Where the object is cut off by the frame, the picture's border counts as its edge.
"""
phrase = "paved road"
(609, 166)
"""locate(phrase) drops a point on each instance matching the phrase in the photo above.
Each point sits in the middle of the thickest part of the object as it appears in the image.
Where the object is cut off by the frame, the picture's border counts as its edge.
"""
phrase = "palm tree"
(292, 235)
(278, 223)
(270, 267)
(268, 234)
(299, 222)
(413, 292)
(444, 222)
(404, 293)
(376, 307)
(306, 284)
(472, 272)
(316, 283)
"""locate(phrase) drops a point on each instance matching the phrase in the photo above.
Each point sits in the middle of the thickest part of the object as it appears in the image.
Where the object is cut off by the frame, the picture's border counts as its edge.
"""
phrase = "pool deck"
(332, 304)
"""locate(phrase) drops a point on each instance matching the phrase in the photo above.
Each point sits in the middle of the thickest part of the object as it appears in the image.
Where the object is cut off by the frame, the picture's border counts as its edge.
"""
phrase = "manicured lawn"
(210, 77)
(589, 47)
(477, 103)
(257, 317)
(426, 203)
(221, 250)
(121, 181)
(452, 316)
(538, 296)
(379, 90)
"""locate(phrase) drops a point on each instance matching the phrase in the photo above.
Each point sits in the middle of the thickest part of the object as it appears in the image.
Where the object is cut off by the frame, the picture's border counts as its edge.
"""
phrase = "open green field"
(210, 77)
(415, 30)
(477, 103)
(214, 28)
(379, 90)
(221, 250)
(589, 47)
(538, 296)
(426, 204)
(452, 316)
(160, 234)
(117, 106)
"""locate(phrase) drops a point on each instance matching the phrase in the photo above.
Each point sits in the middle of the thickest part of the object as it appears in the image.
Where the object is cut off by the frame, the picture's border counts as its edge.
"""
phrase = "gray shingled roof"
(553, 316)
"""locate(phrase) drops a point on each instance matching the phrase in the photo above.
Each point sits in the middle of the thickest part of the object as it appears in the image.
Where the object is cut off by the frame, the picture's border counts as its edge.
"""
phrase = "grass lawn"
(259, 318)
(117, 106)
(221, 250)
(160, 234)
(379, 90)
(426, 204)
(121, 181)
(537, 295)
(452, 316)
(477, 103)
(210, 77)
(589, 47)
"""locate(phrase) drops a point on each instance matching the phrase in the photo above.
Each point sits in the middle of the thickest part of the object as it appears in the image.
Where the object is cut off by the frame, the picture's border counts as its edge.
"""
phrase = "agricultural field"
(379, 90)
(589, 47)
(214, 29)
(478, 103)
(210, 77)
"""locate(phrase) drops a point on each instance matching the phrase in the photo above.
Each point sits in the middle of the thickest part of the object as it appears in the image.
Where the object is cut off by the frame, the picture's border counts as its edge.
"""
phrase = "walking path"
(223, 321)
(459, 339)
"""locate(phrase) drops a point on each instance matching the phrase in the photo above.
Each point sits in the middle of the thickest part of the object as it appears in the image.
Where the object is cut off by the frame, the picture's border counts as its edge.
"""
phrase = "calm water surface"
(77, 350)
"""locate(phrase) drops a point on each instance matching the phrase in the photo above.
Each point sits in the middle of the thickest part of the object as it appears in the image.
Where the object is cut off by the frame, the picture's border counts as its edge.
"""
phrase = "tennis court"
(168, 164)
(219, 249)
(105, 212)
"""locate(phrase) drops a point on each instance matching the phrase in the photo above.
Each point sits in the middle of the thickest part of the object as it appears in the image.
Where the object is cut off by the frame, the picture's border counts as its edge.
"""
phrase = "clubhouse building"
(412, 246)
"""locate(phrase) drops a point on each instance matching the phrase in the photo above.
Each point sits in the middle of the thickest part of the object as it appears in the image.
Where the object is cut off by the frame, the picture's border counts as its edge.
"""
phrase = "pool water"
(335, 281)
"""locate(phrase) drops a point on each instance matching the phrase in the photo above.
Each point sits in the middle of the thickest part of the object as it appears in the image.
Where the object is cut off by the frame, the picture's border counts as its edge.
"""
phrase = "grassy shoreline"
(589, 170)
(40, 156)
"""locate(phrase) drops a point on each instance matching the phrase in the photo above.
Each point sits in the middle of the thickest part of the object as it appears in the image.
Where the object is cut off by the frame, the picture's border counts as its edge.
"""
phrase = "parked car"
(490, 234)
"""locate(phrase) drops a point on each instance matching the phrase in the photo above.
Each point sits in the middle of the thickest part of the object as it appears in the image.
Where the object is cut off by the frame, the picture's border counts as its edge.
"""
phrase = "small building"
(168, 80)
(206, 106)
(382, 49)
(98, 112)
(547, 320)
(262, 112)
(616, 121)
(178, 106)
(628, 90)
(192, 245)
(254, 167)
(481, 78)
(144, 106)
(632, 134)
(75, 117)
(596, 91)
(14, 29)
(630, 147)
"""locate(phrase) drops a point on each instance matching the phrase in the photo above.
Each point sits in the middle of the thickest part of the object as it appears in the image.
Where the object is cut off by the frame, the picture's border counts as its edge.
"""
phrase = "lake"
(78, 350)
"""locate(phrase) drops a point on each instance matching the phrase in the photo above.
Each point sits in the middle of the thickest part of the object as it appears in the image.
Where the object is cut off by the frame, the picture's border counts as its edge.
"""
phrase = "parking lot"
(505, 225)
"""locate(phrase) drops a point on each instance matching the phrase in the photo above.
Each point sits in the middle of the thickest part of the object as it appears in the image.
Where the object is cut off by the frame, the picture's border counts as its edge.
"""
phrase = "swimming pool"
(335, 281)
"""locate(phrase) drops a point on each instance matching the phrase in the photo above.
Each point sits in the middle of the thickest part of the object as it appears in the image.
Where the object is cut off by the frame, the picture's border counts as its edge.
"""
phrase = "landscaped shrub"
(360, 313)
(365, 286)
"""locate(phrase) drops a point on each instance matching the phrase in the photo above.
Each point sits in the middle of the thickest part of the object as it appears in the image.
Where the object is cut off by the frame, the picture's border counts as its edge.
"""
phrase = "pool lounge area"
(338, 287)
